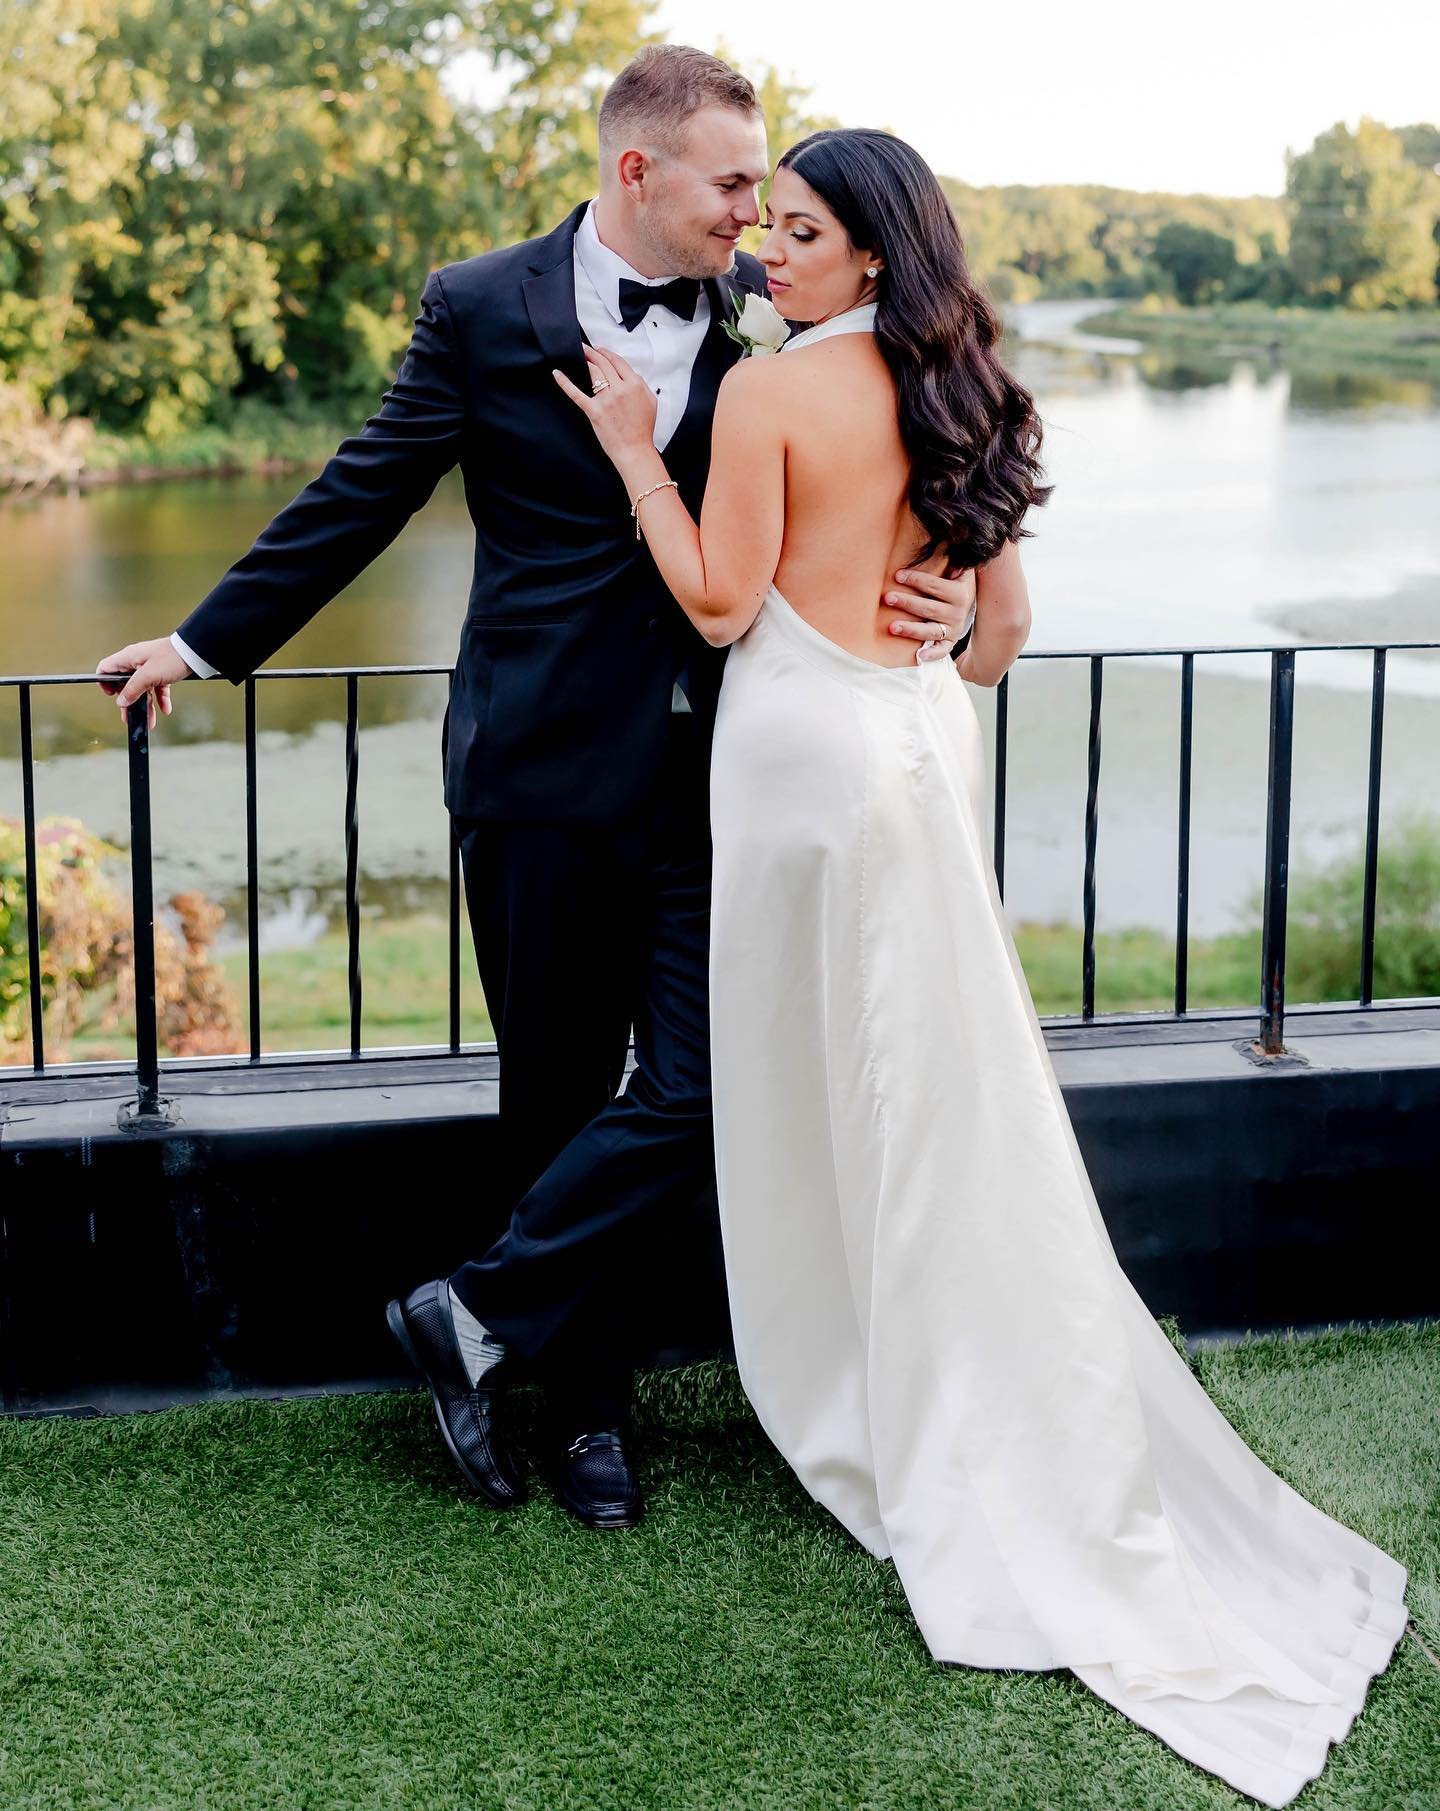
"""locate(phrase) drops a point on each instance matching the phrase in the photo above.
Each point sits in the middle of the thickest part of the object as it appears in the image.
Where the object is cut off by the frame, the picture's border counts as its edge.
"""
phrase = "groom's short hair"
(656, 92)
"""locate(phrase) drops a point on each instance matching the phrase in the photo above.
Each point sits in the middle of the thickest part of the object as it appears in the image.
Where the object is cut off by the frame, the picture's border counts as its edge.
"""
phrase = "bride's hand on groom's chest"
(621, 406)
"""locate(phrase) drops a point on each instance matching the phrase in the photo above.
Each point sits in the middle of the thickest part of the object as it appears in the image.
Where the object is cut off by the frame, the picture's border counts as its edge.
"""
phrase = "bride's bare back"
(848, 525)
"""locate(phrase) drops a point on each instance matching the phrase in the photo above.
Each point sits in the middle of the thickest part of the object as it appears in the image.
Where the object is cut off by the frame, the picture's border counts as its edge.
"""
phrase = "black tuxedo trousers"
(583, 935)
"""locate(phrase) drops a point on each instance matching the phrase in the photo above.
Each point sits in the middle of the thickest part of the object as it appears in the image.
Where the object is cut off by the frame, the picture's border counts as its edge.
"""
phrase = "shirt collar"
(604, 267)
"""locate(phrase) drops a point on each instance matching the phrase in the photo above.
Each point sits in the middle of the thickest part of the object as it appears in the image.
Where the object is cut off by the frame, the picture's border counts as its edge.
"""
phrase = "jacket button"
(653, 623)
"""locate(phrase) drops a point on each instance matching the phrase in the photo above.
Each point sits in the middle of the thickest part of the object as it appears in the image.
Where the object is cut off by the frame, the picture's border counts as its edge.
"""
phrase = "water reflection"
(1331, 392)
(91, 571)
(1199, 498)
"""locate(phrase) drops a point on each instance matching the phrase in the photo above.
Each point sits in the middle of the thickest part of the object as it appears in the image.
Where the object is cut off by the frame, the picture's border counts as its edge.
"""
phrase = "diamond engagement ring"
(604, 384)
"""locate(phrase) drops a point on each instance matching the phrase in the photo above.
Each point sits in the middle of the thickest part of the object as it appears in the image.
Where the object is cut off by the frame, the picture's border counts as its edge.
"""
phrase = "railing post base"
(133, 1117)
(1255, 1052)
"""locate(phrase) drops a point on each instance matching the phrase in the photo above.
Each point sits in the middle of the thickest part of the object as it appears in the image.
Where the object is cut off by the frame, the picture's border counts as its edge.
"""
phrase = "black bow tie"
(680, 295)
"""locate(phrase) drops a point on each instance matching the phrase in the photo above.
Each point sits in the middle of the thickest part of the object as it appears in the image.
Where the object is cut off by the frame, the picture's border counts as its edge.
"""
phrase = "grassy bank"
(1330, 340)
(260, 437)
(304, 1001)
(297, 1604)
(305, 1004)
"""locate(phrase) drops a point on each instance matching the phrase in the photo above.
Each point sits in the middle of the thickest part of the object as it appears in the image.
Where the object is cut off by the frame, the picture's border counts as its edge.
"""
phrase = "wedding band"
(604, 384)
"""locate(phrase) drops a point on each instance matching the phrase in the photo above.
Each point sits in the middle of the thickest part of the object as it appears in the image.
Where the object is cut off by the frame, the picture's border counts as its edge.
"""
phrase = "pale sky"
(1132, 93)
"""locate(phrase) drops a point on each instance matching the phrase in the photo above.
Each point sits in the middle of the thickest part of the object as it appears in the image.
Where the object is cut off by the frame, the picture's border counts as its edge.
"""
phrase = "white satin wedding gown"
(929, 1316)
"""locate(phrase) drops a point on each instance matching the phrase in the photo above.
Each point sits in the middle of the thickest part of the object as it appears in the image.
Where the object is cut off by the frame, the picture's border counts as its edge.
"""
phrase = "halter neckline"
(860, 319)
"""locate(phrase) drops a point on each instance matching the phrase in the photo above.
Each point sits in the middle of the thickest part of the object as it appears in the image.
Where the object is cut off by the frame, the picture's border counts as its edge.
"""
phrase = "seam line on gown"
(1033, 1627)
(863, 1329)
(1109, 1261)
(872, 1066)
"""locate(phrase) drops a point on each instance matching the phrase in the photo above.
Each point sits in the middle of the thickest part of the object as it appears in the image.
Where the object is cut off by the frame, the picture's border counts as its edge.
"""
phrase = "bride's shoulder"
(753, 384)
(751, 409)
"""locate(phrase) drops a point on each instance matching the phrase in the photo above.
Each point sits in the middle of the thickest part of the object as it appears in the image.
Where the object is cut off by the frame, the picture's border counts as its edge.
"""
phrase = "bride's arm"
(1002, 619)
(719, 571)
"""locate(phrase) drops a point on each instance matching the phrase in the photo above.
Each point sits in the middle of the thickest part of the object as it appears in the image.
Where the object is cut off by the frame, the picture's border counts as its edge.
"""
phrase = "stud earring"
(871, 271)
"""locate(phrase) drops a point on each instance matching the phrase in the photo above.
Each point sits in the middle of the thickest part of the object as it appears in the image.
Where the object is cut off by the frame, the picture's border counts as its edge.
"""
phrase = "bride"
(929, 1316)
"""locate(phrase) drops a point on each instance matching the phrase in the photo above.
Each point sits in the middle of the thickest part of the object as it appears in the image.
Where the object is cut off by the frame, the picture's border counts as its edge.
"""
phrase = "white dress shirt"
(201, 668)
(662, 346)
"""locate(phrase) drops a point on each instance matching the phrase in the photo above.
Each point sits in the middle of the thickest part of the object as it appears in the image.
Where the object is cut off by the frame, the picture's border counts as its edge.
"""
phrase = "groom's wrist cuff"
(201, 668)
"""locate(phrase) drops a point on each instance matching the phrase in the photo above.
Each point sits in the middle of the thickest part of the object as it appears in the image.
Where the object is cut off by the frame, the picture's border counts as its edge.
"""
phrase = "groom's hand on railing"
(150, 668)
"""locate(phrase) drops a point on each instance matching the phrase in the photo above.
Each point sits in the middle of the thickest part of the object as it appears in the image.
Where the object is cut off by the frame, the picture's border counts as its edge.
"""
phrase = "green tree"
(200, 202)
(71, 147)
(1197, 262)
(1422, 148)
(541, 144)
(1267, 277)
(1363, 230)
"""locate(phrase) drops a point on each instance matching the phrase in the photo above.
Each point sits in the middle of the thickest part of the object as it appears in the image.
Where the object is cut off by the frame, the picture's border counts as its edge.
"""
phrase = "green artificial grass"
(274, 1604)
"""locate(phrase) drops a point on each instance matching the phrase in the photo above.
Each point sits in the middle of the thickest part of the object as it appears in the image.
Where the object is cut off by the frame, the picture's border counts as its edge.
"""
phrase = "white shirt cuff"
(201, 668)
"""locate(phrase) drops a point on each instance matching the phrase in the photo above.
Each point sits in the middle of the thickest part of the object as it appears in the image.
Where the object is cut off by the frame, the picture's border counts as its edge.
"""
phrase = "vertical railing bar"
(1277, 853)
(142, 894)
(1372, 831)
(454, 931)
(352, 852)
(1002, 740)
(252, 865)
(454, 937)
(9, 1352)
(1182, 852)
(1092, 793)
(35, 955)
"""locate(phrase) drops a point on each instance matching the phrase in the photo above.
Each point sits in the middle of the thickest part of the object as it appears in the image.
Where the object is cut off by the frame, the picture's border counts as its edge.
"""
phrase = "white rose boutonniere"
(758, 326)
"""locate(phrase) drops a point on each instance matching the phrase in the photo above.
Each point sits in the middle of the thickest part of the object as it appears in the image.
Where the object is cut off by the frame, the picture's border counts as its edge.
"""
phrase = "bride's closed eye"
(799, 237)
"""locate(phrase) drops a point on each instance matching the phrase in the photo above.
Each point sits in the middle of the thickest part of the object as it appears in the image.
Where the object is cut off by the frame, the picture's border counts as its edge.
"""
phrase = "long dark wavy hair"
(971, 431)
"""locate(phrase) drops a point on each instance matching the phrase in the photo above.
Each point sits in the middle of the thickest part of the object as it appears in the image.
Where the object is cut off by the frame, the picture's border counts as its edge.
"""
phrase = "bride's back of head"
(969, 426)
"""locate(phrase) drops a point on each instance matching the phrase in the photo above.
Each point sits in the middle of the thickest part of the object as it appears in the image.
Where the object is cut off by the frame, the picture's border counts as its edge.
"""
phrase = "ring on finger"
(601, 384)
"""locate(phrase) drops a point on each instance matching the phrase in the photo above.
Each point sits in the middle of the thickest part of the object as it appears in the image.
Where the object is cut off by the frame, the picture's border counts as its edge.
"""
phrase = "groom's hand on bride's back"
(936, 608)
(144, 667)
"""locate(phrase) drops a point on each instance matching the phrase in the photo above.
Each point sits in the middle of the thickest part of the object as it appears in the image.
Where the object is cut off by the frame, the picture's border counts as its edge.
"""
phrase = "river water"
(1198, 501)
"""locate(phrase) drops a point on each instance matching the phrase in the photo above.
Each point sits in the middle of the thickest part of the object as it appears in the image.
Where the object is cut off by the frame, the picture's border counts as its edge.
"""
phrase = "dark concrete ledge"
(247, 1244)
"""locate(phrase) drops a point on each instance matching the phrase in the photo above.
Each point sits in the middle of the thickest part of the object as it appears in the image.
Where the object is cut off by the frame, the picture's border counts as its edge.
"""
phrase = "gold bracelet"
(635, 506)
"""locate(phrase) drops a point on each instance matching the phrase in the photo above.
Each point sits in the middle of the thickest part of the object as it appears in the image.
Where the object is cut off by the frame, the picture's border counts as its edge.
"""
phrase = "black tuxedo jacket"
(571, 644)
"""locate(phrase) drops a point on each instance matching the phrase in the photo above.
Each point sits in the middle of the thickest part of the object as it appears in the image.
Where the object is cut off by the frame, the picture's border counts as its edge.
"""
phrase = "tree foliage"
(1198, 262)
(208, 201)
(1365, 216)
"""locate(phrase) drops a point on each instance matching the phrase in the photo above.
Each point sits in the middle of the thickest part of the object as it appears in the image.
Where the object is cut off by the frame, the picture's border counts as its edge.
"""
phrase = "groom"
(575, 742)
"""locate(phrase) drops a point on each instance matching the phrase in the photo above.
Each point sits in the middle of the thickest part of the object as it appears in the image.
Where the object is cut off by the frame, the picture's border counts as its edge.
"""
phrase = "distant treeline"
(1357, 227)
(203, 207)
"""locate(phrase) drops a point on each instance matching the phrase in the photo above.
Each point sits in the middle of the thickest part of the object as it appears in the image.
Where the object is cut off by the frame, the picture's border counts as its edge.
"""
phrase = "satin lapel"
(550, 300)
(716, 355)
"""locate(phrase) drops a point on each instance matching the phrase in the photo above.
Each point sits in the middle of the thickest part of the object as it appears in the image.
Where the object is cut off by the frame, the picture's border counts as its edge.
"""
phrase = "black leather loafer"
(594, 1480)
(425, 1330)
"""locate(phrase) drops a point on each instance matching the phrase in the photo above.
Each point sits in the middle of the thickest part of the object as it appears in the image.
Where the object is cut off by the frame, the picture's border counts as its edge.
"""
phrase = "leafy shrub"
(87, 977)
(1322, 950)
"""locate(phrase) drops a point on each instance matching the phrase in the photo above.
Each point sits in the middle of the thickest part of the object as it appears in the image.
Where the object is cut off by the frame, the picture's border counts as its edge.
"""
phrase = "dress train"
(929, 1316)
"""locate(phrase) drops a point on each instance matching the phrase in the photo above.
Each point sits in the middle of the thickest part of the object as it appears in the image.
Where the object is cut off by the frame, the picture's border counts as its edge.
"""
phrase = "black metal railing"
(148, 1104)
(1270, 1032)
